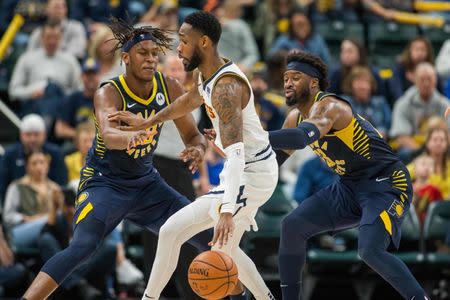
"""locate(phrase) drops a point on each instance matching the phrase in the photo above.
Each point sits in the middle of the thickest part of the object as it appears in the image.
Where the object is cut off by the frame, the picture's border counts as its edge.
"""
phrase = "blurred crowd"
(64, 51)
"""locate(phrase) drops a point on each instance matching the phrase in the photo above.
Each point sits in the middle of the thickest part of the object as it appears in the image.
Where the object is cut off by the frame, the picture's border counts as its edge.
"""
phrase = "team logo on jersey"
(160, 99)
(396, 209)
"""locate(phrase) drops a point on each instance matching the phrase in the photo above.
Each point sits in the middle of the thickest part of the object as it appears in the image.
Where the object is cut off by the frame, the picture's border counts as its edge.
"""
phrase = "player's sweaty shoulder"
(107, 96)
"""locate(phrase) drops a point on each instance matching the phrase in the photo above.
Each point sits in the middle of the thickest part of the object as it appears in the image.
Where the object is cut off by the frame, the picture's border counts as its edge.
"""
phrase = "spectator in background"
(32, 138)
(302, 36)
(84, 135)
(237, 42)
(275, 66)
(28, 200)
(55, 236)
(417, 51)
(101, 48)
(272, 21)
(78, 107)
(352, 54)
(387, 8)
(443, 67)
(41, 76)
(93, 13)
(414, 108)
(313, 176)
(13, 275)
(165, 16)
(270, 115)
(359, 87)
(424, 192)
(73, 38)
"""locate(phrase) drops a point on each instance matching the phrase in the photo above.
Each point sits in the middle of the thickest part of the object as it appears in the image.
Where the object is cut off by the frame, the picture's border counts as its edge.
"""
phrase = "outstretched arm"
(107, 101)
(325, 115)
(290, 122)
(183, 105)
(228, 96)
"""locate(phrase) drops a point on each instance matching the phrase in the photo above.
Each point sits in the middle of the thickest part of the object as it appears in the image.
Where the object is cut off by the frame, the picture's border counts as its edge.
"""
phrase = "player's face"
(142, 60)
(296, 87)
(189, 47)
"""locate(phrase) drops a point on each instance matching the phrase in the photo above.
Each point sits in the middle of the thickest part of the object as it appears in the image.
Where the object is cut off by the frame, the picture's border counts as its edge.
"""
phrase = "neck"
(142, 88)
(211, 65)
(305, 107)
(37, 180)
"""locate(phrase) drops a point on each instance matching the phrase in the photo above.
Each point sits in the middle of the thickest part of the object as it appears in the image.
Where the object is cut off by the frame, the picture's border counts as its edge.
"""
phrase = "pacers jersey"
(255, 138)
(355, 152)
(136, 162)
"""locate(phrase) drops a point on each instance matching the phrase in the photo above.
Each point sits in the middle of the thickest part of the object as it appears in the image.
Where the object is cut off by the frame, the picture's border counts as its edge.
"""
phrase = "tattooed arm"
(329, 113)
(229, 95)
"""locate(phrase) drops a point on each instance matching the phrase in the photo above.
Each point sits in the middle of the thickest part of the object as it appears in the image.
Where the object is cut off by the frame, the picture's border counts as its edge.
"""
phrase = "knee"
(168, 231)
(293, 225)
(82, 250)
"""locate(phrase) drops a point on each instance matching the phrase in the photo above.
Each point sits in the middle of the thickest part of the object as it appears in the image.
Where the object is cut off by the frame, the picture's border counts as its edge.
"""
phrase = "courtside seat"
(437, 226)
(336, 31)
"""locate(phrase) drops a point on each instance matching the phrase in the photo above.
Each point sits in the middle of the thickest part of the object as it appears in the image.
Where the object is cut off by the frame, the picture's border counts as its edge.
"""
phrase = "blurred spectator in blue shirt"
(301, 36)
(359, 87)
(352, 54)
(79, 107)
(32, 136)
(313, 176)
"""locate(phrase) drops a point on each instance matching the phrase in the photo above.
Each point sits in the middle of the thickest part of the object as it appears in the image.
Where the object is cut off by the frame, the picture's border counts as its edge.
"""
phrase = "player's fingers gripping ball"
(213, 275)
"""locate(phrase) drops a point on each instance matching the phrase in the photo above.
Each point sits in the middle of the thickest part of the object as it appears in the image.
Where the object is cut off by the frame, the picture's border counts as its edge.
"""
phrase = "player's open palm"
(128, 121)
(223, 231)
(194, 155)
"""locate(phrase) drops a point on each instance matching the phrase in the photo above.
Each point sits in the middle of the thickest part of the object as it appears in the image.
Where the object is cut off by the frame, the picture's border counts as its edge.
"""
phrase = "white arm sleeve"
(233, 171)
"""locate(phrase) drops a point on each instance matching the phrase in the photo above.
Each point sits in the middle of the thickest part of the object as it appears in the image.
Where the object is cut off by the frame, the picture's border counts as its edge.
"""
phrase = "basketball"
(212, 275)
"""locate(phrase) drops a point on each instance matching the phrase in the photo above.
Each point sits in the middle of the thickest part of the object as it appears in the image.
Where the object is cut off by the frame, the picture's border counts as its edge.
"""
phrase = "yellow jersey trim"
(124, 107)
(87, 209)
(134, 96)
(387, 221)
(163, 83)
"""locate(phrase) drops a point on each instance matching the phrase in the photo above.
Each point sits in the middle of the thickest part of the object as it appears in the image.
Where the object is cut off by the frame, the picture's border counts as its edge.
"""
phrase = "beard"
(298, 97)
(194, 62)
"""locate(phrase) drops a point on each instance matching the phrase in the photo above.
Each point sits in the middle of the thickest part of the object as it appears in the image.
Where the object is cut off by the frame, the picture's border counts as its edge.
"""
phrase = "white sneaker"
(127, 273)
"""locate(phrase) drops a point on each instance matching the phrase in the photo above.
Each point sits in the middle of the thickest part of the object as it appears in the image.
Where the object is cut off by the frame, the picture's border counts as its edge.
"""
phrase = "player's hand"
(138, 138)
(132, 121)
(447, 112)
(195, 155)
(210, 134)
(223, 231)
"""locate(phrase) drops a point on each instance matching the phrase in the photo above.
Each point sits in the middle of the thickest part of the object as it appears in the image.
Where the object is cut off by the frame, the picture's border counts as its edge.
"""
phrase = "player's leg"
(94, 218)
(327, 210)
(247, 271)
(179, 228)
(372, 248)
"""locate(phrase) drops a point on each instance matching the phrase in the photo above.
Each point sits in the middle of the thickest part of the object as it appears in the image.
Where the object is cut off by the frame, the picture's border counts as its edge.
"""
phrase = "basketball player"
(374, 191)
(119, 183)
(250, 172)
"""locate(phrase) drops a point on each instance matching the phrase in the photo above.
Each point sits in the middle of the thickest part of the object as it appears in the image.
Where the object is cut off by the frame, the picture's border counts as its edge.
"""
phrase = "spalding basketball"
(213, 275)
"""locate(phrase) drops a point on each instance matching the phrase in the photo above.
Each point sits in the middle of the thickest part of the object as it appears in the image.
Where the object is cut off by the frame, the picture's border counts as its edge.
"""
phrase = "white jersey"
(255, 138)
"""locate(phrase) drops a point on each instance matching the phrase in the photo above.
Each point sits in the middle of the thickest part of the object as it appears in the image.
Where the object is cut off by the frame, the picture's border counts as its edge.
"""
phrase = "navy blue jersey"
(356, 152)
(136, 162)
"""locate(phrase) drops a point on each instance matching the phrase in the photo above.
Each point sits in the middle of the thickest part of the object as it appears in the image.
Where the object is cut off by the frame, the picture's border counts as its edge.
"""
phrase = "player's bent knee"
(366, 253)
(82, 250)
(169, 231)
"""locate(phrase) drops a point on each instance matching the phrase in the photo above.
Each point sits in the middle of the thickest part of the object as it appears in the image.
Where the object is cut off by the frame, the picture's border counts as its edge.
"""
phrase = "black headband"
(137, 39)
(304, 68)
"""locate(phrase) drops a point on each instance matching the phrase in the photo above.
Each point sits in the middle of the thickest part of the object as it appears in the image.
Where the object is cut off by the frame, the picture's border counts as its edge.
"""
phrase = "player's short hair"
(124, 32)
(206, 23)
(310, 59)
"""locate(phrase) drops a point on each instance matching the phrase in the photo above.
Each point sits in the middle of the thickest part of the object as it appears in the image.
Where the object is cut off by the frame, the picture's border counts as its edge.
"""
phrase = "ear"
(313, 83)
(204, 41)
(126, 58)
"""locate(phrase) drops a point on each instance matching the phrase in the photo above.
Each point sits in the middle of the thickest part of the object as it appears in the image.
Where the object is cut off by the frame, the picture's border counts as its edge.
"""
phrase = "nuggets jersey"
(256, 140)
(136, 162)
(355, 152)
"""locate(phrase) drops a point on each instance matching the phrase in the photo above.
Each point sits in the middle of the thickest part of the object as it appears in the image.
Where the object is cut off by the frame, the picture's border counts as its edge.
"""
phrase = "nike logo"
(130, 105)
(146, 296)
(381, 179)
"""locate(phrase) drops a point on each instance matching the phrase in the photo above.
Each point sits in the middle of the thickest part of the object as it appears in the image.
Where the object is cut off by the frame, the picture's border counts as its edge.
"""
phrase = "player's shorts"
(258, 183)
(387, 196)
(147, 201)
